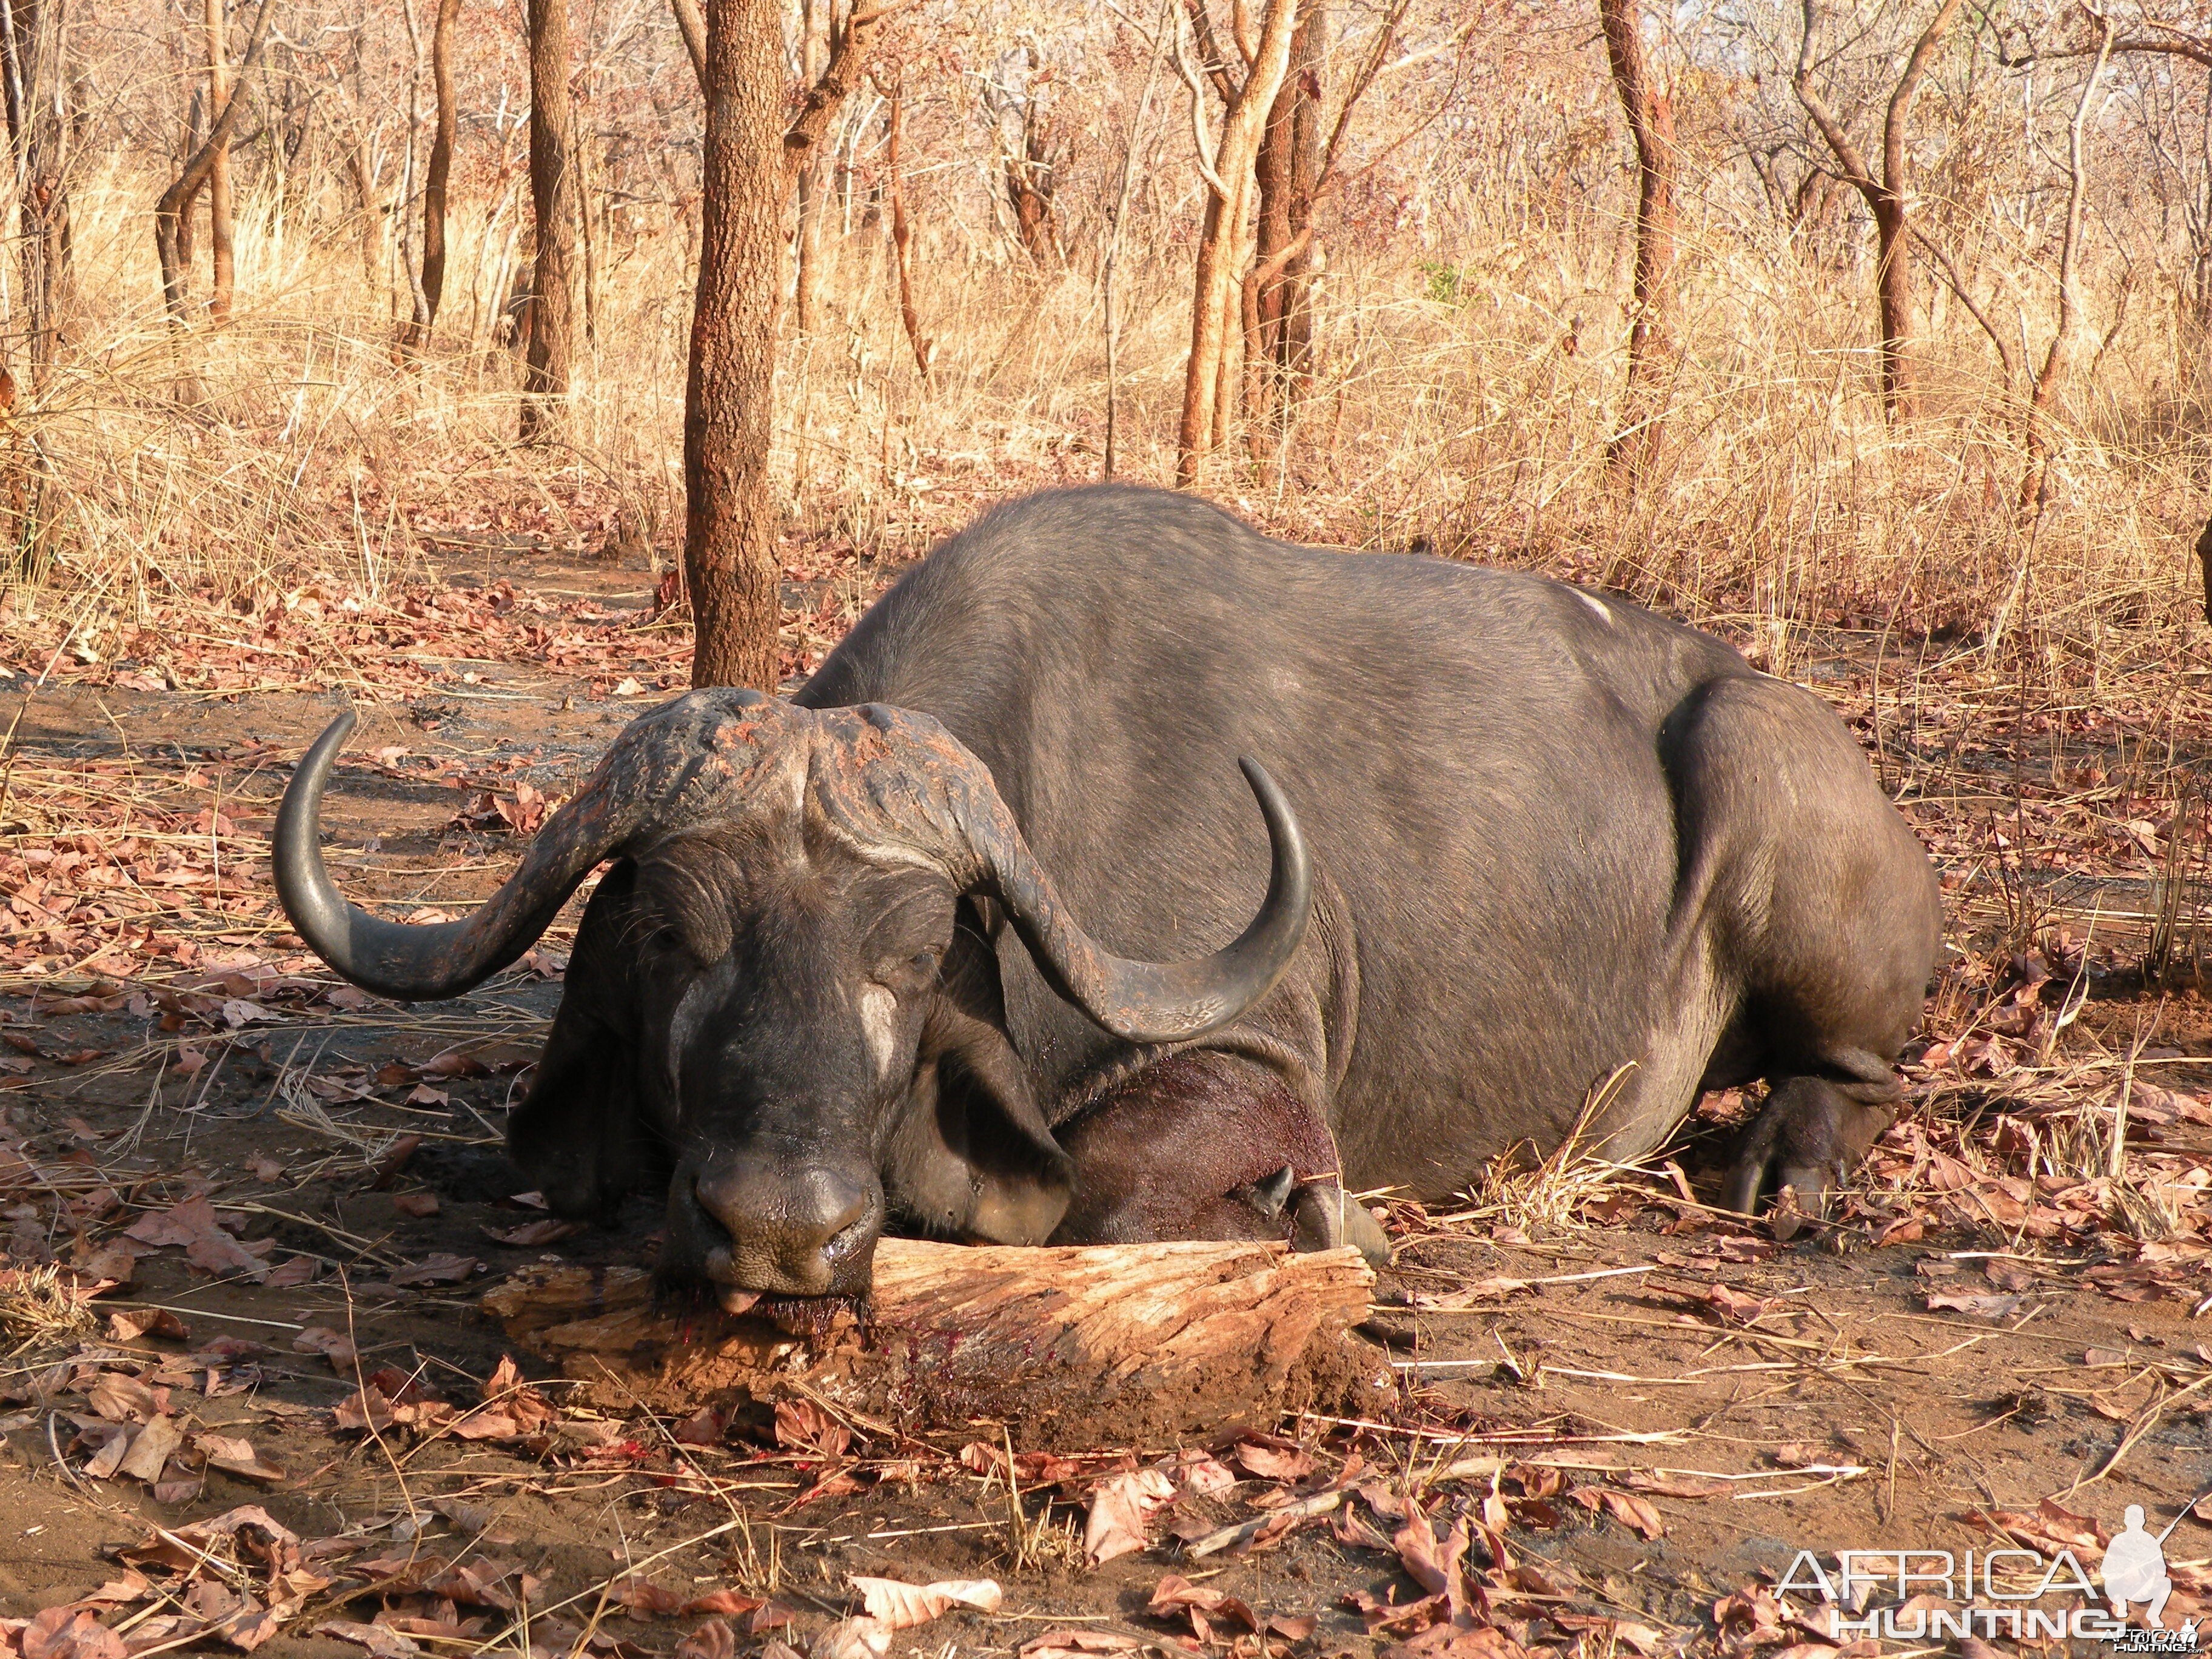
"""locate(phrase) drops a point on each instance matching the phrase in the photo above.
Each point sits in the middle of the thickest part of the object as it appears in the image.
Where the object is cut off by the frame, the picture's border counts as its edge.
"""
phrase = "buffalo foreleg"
(1207, 1146)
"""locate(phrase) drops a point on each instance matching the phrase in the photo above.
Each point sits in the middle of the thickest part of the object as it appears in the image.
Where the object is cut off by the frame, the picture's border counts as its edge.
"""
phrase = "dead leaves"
(1120, 1513)
(206, 1237)
(896, 1605)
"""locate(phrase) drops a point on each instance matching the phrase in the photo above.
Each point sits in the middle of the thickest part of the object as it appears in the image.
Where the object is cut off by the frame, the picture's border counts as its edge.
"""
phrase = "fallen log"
(1078, 1345)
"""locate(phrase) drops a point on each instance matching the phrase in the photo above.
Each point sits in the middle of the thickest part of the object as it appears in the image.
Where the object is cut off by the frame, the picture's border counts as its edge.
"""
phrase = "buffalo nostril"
(788, 1230)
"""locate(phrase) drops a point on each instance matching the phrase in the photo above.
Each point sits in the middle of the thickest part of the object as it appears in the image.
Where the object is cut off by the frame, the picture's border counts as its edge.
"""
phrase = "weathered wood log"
(1065, 1347)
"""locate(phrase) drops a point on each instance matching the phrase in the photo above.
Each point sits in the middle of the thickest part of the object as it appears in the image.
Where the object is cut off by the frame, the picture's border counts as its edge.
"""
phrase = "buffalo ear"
(972, 1155)
(578, 1133)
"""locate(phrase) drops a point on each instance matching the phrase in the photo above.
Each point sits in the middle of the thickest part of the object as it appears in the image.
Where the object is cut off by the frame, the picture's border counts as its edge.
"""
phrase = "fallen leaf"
(121, 1398)
(1071, 1642)
(897, 1605)
(531, 1235)
(150, 1449)
(69, 1632)
(331, 1345)
(417, 1205)
(236, 1456)
(1632, 1512)
(851, 1639)
(1982, 1307)
(443, 1268)
(381, 1640)
(1119, 1510)
(713, 1640)
(128, 1324)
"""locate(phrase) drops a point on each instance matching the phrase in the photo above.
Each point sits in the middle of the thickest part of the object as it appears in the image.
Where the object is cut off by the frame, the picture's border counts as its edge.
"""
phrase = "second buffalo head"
(780, 996)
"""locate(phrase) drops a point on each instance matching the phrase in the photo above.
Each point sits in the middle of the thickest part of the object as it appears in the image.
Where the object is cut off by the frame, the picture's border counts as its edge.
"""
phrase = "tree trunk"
(1032, 177)
(218, 177)
(1066, 1346)
(436, 176)
(1229, 193)
(813, 173)
(170, 212)
(1886, 196)
(1892, 278)
(545, 370)
(1650, 116)
(1278, 353)
(730, 542)
(924, 351)
(36, 80)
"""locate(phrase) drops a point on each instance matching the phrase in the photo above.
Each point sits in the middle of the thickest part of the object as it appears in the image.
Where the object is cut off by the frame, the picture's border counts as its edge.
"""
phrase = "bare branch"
(1856, 171)
(848, 52)
(693, 28)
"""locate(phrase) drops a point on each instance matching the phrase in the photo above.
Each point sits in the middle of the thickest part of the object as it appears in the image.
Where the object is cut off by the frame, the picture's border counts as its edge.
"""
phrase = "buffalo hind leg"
(1207, 1146)
(1812, 1134)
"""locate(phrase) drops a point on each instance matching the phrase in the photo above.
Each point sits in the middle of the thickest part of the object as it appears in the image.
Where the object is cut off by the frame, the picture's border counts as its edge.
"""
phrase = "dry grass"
(1467, 395)
(38, 1310)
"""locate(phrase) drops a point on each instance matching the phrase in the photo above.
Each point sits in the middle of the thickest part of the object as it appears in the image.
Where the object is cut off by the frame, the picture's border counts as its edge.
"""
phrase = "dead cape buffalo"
(1525, 859)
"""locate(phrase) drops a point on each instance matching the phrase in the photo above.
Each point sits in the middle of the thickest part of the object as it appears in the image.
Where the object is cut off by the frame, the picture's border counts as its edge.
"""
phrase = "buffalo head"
(779, 993)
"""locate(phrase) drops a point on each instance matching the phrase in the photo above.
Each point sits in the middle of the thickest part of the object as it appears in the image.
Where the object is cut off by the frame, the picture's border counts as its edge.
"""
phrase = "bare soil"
(1812, 1401)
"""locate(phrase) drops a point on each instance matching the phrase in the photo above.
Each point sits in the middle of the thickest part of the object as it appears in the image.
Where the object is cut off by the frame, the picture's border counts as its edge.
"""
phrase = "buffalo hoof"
(1807, 1142)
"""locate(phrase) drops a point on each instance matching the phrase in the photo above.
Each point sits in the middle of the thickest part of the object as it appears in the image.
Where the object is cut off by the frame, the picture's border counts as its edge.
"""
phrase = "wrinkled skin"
(1571, 864)
(773, 1027)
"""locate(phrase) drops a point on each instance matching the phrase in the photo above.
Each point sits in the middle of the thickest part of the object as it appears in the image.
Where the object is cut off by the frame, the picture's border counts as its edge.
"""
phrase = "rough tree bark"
(1229, 190)
(1887, 197)
(168, 212)
(33, 41)
(1175, 1337)
(552, 295)
(436, 177)
(1278, 345)
(224, 280)
(746, 171)
(1650, 115)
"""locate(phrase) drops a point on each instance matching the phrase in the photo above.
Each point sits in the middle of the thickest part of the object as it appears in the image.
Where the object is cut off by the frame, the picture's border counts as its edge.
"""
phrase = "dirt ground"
(298, 1195)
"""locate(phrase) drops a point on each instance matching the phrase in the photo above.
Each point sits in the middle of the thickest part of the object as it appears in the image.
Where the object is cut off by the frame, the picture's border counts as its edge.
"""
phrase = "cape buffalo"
(1528, 863)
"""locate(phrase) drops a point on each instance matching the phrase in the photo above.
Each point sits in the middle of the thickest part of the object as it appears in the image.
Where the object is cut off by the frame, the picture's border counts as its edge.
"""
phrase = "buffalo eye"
(917, 970)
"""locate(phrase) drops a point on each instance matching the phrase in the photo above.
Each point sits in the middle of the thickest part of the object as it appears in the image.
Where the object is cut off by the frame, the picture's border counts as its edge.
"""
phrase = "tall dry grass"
(1470, 380)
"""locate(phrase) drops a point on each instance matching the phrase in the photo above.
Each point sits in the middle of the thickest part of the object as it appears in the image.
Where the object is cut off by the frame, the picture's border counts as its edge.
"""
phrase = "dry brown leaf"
(236, 1456)
(150, 1449)
(897, 1605)
(443, 1268)
(851, 1639)
(1120, 1509)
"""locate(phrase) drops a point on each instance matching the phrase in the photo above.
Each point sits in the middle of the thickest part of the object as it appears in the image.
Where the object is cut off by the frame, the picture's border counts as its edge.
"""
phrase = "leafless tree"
(33, 42)
(220, 236)
(1111, 267)
(814, 30)
(430, 287)
(924, 351)
(1278, 311)
(1887, 196)
(552, 182)
(198, 169)
(1650, 112)
(1226, 165)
